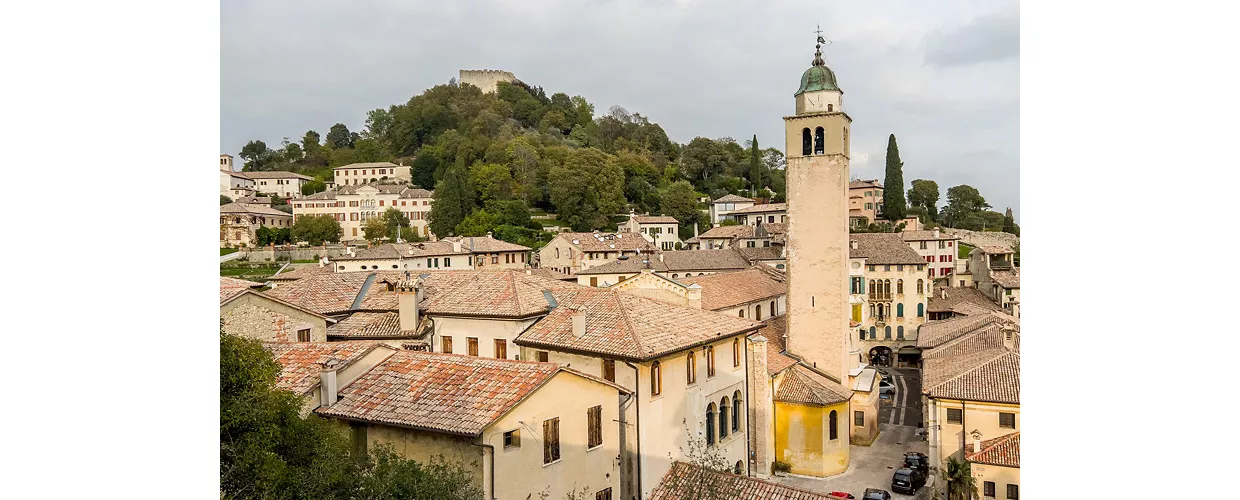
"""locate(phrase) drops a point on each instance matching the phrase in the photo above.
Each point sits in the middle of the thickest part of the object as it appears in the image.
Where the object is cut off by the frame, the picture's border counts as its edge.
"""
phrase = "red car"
(840, 494)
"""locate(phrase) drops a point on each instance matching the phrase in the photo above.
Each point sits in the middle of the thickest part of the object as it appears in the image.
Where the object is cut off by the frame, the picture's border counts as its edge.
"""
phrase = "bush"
(781, 466)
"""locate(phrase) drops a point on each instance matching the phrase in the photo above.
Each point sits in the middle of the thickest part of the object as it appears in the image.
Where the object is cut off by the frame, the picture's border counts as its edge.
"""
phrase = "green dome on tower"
(818, 76)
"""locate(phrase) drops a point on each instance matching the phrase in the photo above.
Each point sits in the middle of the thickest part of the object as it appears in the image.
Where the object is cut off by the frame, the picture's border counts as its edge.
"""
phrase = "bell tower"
(817, 240)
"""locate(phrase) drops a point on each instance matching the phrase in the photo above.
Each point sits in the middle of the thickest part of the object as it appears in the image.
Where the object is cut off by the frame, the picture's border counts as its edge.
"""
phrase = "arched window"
(656, 379)
(920, 288)
(830, 108)
(691, 368)
(710, 361)
(873, 290)
(899, 310)
(873, 333)
(741, 313)
(880, 312)
(675, 276)
(710, 424)
(736, 352)
(900, 332)
(805, 142)
(737, 409)
(833, 421)
(757, 312)
(900, 286)
(887, 332)
(773, 311)
(818, 141)
(723, 418)
(557, 253)
(887, 288)
(921, 310)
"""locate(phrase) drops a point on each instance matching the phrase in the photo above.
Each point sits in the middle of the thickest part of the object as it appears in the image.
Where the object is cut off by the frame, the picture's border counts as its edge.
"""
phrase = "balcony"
(879, 297)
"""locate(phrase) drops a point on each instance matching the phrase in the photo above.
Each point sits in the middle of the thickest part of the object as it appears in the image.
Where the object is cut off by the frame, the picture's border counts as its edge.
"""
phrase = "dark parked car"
(875, 494)
(907, 481)
(918, 461)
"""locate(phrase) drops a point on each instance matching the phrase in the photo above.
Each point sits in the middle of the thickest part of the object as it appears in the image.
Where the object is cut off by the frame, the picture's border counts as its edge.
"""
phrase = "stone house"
(660, 230)
(939, 250)
(892, 290)
(996, 275)
(239, 223)
(467, 252)
(674, 265)
(759, 235)
(571, 253)
(766, 213)
(352, 205)
(357, 174)
(727, 204)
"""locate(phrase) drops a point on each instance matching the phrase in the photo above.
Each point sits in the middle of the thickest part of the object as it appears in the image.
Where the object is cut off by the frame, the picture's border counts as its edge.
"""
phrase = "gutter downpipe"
(491, 486)
(748, 423)
(637, 391)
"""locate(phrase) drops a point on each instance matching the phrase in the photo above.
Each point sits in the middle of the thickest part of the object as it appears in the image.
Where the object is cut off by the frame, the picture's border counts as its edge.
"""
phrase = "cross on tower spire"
(818, 48)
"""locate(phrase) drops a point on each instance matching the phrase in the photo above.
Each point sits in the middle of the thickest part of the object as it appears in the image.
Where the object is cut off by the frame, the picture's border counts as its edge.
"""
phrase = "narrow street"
(903, 407)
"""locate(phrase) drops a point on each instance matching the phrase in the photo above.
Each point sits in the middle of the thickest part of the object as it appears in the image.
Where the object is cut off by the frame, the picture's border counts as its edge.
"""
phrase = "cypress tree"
(755, 162)
(894, 206)
(1009, 222)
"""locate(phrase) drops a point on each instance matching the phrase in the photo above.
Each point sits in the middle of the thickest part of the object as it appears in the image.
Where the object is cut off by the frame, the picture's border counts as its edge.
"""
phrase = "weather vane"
(821, 40)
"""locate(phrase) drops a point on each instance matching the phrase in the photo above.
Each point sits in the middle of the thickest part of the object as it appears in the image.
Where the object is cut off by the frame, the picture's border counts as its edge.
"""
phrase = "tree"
(755, 166)
(492, 181)
(256, 155)
(963, 201)
(316, 229)
(454, 199)
(224, 200)
(313, 186)
(893, 186)
(925, 194)
(478, 223)
(681, 201)
(1009, 223)
(959, 480)
(267, 450)
(587, 188)
(720, 485)
(339, 137)
(374, 228)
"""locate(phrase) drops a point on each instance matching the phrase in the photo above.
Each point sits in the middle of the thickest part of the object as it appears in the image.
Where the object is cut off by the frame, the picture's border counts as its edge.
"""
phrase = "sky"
(942, 76)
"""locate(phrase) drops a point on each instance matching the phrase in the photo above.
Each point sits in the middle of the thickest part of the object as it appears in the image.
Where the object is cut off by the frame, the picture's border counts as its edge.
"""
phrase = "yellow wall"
(983, 417)
(1001, 476)
(802, 438)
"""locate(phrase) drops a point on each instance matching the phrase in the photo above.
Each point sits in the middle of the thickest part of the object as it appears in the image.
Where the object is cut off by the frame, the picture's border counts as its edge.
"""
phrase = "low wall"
(978, 238)
(294, 253)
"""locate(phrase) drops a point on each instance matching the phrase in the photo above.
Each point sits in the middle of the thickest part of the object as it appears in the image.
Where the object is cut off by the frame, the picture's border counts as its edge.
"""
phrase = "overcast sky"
(942, 76)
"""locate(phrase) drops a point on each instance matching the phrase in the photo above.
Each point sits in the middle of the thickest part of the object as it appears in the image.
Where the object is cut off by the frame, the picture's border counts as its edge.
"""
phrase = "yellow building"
(893, 288)
(811, 422)
(995, 464)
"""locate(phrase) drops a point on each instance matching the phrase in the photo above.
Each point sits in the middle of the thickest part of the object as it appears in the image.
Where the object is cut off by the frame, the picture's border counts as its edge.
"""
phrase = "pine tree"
(755, 166)
(893, 186)
(454, 200)
(1009, 223)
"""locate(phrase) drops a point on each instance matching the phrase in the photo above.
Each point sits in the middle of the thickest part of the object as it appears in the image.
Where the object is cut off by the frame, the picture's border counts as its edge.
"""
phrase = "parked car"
(875, 494)
(907, 481)
(918, 461)
(886, 387)
(841, 495)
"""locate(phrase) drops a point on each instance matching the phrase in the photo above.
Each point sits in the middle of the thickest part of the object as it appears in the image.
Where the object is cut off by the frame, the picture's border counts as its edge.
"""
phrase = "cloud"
(992, 37)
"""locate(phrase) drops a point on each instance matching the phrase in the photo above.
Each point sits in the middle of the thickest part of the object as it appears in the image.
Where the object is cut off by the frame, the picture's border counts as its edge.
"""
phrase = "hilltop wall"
(977, 238)
(486, 79)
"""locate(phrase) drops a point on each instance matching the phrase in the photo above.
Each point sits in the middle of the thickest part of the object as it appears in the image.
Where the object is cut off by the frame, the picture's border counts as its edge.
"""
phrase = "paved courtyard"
(870, 466)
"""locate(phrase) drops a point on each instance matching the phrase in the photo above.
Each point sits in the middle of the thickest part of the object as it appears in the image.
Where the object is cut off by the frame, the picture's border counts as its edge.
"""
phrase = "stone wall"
(486, 79)
(294, 253)
(977, 238)
(263, 319)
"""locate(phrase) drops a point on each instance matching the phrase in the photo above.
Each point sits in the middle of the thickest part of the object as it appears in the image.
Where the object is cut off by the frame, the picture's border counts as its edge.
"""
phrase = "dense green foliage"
(224, 200)
(267, 235)
(924, 194)
(316, 229)
(268, 450)
(1009, 223)
(893, 185)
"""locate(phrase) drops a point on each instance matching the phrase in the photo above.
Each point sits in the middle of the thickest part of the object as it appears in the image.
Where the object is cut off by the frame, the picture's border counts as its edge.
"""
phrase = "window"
(737, 408)
(656, 379)
(736, 353)
(818, 141)
(604, 494)
(859, 418)
(774, 312)
(691, 368)
(931, 272)
(303, 335)
(750, 244)
(955, 416)
(447, 262)
(710, 424)
(495, 259)
(542, 356)
(921, 310)
(988, 489)
(805, 142)
(873, 333)
(741, 313)
(594, 420)
(609, 370)
(1008, 292)
(551, 440)
(923, 245)
(1013, 491)
(710, 361)
(723, 418)
(512, 439)
(501, 349)
(900, 329)
(887, 332)
(900, 286)
(473, 345)
(920, 287)
(832, 421)
(1007, 420)
(899, 310)
(593, 281)
(358, 431)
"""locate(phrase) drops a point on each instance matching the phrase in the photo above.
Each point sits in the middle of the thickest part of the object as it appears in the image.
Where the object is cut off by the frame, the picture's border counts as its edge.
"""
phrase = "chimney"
(489, 235)
(695, 230)
(579, 323)
(852, 244)
(408, 295)
(456, 246)
(327, 382)
(660, 257)
(977, 442)
(695, 296)
(323, 261)
(936, 233)
(1009, 336)
(943, 293)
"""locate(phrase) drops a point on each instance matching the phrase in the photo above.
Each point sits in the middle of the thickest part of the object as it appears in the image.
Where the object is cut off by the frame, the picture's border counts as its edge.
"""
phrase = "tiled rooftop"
(994, 249)
(935, 333)
(1007, 278)
(731, 198)
(243, 208)
(301, 272)
(926, 236)
(864, 184)
(724, 290)
(763, 208)
(883, 248)
(655, 219)
(943, 299)
(704, 260)
(802, 385)
(300, 362)
(369, 325)
(608, 242)
(773, 331)
(1002, 451)
(233, 286)
(974, 367)
(685, 481)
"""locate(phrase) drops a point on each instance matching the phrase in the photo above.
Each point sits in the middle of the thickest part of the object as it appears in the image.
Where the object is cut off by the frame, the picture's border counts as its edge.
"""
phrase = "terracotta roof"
(369, 325)
(655, 219)
(975, 367)
(244, 208)
(301, 272)
(704, 260)
(955, 296)
(487, 244)
(330, 293)
(925, 236)
(724, 290)
(611, 242)
(1007, 278)
(402, 192)
(253, 200)
(994, 249)
(230, 287)
(776, 359)
(395, 251)
(684, 480)
(442, 392)
(275, 175)
(731, 198)
(377, 164)
(763, 208)
(547, 272)
(628, 264)
(761, 253)
(509, 293)
(935, 333)
(300, 361)
(864, 184)
(883, 248)
(803, 385)
(1003, 451)
(624, 326)
(729, 232)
